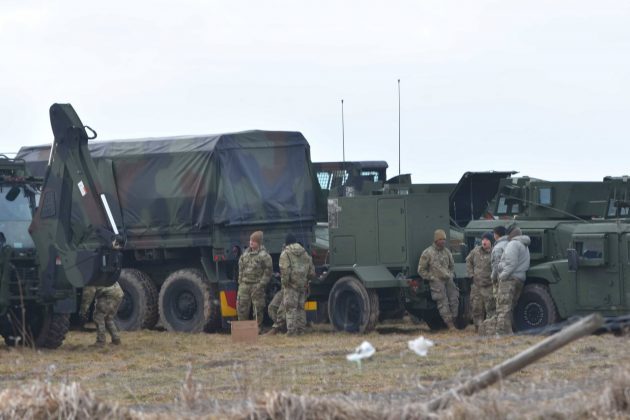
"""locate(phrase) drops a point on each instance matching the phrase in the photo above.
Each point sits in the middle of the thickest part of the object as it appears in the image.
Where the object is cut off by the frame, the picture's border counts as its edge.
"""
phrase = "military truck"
(375, 243)
(71, 242)
(187, 206)
(579, 246)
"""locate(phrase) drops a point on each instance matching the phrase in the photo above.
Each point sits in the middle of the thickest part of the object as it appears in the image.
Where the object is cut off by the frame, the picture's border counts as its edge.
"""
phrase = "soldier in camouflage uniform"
(512, 275)
(479, 269)
(254, 273)
(105, 307)
(488, 327)
(277, 313)
(296, 268)
(437, 266)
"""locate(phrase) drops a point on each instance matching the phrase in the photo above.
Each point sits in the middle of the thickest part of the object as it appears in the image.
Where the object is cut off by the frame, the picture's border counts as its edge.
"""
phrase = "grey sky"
(536, 86)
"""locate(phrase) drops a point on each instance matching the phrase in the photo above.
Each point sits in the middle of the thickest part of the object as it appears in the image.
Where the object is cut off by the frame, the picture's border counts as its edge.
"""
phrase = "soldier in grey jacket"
(512, 268)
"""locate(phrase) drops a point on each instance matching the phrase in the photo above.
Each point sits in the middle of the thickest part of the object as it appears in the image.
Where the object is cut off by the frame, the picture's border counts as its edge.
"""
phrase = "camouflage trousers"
(105, 309)
(446, 295)
(250, 294)
(277, 312)
(294, 300)
(483, 303)
(508, 294)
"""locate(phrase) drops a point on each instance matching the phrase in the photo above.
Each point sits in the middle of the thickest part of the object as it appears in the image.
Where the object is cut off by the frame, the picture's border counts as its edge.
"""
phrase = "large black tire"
(185, 303)
(44, 328)
(139, 307)
(535, 308)
(351, 307)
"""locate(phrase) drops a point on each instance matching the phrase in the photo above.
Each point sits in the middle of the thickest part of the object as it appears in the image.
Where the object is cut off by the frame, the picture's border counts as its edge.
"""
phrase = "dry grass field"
(162, 374)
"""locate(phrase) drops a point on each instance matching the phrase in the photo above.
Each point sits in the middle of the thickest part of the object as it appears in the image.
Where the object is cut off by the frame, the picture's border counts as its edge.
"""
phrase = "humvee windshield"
(15, 218)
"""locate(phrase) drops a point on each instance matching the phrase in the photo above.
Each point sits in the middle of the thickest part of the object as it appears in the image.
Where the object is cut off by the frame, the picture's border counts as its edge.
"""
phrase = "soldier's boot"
(450, 325)
(116, 341)
(273, 331)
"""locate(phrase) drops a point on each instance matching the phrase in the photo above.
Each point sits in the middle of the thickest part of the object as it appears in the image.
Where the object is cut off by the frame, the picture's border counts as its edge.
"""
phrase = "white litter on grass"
(364, 351)
(420, 345)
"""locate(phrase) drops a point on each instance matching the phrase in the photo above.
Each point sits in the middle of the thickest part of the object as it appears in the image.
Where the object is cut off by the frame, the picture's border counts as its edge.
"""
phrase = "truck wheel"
(138, 308)
(535, 308)
(44, 328)
(185, 301)
(351, 307)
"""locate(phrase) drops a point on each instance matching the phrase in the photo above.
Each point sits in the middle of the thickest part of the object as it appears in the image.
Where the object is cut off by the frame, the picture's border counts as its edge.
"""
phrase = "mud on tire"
(44, 328)
(351, 307)
(184, 301)
(139, 307)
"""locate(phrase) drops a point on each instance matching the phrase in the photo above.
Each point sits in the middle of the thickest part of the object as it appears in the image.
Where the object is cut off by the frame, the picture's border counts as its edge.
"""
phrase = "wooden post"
(581, 328)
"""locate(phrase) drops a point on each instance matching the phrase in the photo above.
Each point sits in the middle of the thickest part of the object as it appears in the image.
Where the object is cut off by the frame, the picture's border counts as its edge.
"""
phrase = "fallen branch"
(584, 327)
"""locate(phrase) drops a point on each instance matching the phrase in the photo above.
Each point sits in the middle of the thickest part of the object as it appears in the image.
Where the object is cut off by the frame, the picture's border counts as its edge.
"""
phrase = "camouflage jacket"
(255, 267)
(436, 264)
(478, 266)
(497, 252)
(90, 292)
(296, 267)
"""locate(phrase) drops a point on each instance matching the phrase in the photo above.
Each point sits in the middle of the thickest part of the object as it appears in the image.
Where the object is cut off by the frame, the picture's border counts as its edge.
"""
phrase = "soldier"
(254, 273)
(479, 269)
(437, 266)
(512, 268)
(296, 268)
(501, 241)
(277, 313)
(105, 307)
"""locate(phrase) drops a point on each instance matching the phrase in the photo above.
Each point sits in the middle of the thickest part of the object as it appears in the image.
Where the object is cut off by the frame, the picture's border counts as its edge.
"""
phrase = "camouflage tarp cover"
(186, 184)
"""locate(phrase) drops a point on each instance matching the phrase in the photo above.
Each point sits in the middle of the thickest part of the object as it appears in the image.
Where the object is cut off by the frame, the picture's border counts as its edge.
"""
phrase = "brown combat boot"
(116, 341)
(450, 325)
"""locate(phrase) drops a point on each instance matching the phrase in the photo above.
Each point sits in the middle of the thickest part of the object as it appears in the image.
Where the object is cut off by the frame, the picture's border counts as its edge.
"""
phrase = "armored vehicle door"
(391, 231)
(598, 284)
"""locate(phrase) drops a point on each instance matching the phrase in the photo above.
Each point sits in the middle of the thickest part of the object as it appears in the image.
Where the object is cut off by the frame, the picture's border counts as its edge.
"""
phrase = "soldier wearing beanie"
(479, 269)
(437, 266)
(254, 273)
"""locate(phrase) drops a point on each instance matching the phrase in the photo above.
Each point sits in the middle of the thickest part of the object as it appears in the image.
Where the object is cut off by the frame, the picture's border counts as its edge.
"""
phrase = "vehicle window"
(536, 244)
(324, 180)
(371, 174)
(502, 206)
(15, 218)
(544, 196)
(591, 251)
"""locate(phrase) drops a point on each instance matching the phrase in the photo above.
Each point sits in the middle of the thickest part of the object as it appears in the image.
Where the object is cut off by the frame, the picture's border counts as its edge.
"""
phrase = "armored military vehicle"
(375, 243)
(71, 242)
(188, 206)
(579, 246)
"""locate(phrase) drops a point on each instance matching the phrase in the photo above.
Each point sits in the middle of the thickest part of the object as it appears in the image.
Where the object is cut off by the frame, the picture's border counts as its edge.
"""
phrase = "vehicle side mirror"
(572, 259)
(3, 240)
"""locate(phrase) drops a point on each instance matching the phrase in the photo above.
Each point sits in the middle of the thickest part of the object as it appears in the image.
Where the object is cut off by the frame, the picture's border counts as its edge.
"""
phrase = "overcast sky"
(541, 87)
